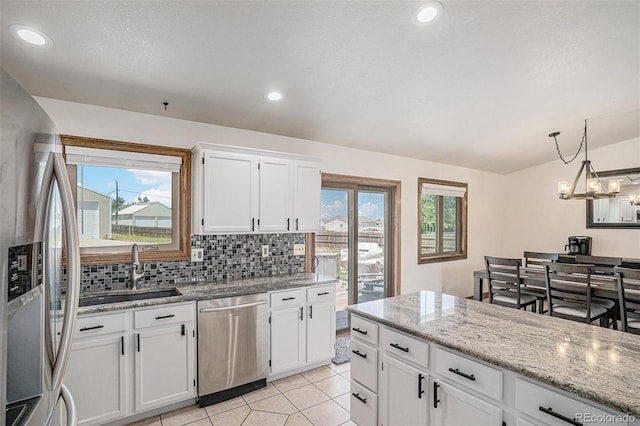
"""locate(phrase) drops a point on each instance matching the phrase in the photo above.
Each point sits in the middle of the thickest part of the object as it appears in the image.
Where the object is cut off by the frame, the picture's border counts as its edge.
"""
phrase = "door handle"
(311, 311)
(288, 223)
(359, 398)
(122, 344)
(95, 327)
(297, 224)
(435, 394)
(165, 316)
(301, 313)
(360, 354)
(420, 390)
(323, 294)
(397, 346)
(460, 373)
(559, 416)
(356, 329)
(183, 331)
(138, 342)
(253, 223)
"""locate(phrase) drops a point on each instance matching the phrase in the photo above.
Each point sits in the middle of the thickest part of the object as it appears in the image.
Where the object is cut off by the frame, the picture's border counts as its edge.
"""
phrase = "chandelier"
(593, 187)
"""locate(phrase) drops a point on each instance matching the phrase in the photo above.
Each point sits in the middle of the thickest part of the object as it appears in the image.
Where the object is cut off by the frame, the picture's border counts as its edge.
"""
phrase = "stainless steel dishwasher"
(233, 347)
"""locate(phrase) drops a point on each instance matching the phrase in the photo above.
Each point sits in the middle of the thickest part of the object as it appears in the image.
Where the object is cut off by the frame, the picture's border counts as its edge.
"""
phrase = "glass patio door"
(352, 245)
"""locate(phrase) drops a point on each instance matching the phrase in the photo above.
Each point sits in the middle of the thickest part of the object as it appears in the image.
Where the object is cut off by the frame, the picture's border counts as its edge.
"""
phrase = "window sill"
(442, 258)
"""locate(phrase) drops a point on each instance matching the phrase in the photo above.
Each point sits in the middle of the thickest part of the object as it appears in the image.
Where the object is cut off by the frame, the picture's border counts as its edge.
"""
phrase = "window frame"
(462, 203)
(181, 216)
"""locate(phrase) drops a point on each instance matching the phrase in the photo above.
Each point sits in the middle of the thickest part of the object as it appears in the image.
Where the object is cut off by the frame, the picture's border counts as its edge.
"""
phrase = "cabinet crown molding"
(200, 146)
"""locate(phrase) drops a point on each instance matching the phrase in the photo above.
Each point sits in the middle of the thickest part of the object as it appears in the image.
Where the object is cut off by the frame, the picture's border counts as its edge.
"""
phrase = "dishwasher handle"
(228, 308)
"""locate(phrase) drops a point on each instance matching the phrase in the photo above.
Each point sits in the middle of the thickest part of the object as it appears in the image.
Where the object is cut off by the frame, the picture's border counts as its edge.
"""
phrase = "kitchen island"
(498, 359)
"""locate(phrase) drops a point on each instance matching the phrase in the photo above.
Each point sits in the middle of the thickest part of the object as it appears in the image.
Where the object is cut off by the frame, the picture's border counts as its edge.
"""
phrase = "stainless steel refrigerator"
(38, 237)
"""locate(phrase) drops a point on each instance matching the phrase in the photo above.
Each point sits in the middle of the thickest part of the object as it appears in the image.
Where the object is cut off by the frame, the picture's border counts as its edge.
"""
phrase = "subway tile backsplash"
(225, 257)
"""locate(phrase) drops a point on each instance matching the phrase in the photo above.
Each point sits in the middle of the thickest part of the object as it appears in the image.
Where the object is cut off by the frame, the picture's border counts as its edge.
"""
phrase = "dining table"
(604, 286)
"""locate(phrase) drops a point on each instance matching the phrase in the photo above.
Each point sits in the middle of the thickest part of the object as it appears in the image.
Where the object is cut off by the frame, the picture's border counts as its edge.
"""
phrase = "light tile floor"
(318, 397)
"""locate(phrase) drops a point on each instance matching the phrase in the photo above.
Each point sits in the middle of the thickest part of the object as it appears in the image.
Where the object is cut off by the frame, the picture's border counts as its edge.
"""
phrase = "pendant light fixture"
(593, 187)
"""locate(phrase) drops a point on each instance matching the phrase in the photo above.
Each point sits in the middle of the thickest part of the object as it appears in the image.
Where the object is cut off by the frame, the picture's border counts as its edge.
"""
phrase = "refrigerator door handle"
(56, 168)
(72, 412)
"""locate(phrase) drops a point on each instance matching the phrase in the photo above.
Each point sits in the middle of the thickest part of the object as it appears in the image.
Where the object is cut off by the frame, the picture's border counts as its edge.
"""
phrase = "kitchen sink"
(127, 297)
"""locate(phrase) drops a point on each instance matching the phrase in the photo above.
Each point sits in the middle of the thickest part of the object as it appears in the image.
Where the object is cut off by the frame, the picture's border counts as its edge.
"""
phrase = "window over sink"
(128, 193)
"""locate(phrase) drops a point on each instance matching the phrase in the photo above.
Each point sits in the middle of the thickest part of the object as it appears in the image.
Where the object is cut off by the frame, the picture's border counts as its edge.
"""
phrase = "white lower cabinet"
(363, 405)
(163, 371)
(452, 406)
(302, 327)
(128, 362)
(96, 377)
(403, 395)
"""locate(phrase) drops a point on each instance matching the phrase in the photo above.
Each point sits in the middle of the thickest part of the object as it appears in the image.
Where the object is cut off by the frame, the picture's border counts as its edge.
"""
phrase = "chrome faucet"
(135, 265)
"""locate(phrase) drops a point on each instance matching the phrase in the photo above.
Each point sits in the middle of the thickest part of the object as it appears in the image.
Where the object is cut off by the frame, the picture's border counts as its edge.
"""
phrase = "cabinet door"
(164, 366)
(230, 192)
(288, 337)
(455, 407)
(321, 332)
(275, 195)
(403, 394)
(96, 378)
(307, 183)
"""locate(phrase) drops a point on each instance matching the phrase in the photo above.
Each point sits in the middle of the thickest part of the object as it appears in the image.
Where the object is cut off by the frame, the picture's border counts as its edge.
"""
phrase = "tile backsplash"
(225, 257)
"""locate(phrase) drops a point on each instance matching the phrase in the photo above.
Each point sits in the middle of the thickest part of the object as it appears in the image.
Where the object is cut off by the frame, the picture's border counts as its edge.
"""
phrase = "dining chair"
(629, 295)
(536, 259)
(569, 295)
(602, 265)
(505, 284)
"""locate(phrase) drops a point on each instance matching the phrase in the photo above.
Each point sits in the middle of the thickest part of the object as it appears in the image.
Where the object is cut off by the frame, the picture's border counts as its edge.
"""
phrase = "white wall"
(538, 220)
(485, 189)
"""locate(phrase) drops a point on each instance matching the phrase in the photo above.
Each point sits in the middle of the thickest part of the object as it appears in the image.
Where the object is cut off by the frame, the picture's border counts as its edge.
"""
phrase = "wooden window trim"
(462, 224)
(184, 212)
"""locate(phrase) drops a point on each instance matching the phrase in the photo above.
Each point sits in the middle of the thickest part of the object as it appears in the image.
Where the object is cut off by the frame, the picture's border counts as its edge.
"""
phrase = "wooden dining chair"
(505, 285)
(602, 265)
(629, 295)
(569, 294)
(536, 259)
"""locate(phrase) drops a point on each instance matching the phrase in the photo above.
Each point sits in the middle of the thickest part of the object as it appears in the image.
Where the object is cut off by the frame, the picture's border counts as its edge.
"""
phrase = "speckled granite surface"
(595, 363)
(212, 290)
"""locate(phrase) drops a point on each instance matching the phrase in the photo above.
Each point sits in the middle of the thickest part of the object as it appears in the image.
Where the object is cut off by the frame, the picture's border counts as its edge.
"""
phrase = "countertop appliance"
(579, 245)
(233, 347)
(37, 203)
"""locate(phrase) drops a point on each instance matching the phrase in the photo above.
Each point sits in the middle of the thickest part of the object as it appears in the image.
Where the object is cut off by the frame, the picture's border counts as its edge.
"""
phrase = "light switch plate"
(197, 254)
(298, 250)
(265, 251)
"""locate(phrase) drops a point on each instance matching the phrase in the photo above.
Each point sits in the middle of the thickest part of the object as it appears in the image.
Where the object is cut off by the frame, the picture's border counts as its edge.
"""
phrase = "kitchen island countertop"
(598, 364)
(212, 290)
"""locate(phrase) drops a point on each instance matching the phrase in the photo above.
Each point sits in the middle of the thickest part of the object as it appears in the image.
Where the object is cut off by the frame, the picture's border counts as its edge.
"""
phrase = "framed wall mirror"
(623, 211)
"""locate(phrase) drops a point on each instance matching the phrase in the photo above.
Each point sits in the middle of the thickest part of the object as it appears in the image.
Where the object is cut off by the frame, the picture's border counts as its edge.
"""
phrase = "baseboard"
(298, 370)
(151, 413)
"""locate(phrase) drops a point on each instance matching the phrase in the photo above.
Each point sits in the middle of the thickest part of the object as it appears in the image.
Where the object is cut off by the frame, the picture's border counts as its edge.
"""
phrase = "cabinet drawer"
(364, 330)
(325, 293)
(364, 364)
(405, 347)
(549, 407)
(364, 405)
(287, 298)
(472, 374)
(166, 314)
(99, 325)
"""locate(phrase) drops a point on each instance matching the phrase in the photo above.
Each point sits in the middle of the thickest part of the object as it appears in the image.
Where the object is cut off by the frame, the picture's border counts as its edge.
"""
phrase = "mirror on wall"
(623, 211)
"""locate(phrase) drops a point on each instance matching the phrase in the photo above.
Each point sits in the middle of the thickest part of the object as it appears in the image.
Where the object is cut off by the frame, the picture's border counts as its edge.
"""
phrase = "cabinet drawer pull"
(397, 346)
(165, 316)
(284, 299)
(311, 311)
(435, 394)
(297, 227)
(288, 223)
(138, 342)
(301, 313)
(253, 224)
(357, 330)
(122, 344)
(183, 330)
(323, 294)
(550, 412)
(92, 328)
(359, 398)
(360, 354)
(420, 390)
(460, 373)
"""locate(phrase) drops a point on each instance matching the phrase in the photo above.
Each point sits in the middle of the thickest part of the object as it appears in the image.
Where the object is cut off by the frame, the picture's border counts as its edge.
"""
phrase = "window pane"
(450, 224)
(119, 206)
(428, 227)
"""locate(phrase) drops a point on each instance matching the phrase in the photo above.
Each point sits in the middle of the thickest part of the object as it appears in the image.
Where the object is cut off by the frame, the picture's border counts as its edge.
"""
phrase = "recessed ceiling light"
(427, 13)
(274, 96)
(31, 36)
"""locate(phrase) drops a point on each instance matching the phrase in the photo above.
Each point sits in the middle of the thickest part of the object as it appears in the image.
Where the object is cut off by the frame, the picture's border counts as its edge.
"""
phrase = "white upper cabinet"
(239, 190)
(307, 182)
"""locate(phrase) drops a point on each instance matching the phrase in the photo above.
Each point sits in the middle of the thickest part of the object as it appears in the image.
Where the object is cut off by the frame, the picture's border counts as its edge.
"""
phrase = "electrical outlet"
(265, 251)
(298, 250)
(197, 254)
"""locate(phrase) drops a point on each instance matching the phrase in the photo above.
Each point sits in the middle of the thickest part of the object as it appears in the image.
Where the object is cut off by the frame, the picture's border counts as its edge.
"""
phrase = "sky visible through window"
(334, 203)
(154, 185)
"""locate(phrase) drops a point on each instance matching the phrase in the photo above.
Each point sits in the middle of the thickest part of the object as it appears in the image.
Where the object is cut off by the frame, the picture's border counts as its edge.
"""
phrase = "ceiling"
(481, 87)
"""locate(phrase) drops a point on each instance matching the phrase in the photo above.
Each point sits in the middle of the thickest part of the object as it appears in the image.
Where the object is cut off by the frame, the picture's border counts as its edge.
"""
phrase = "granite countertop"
(596, 363)
(210, 290)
